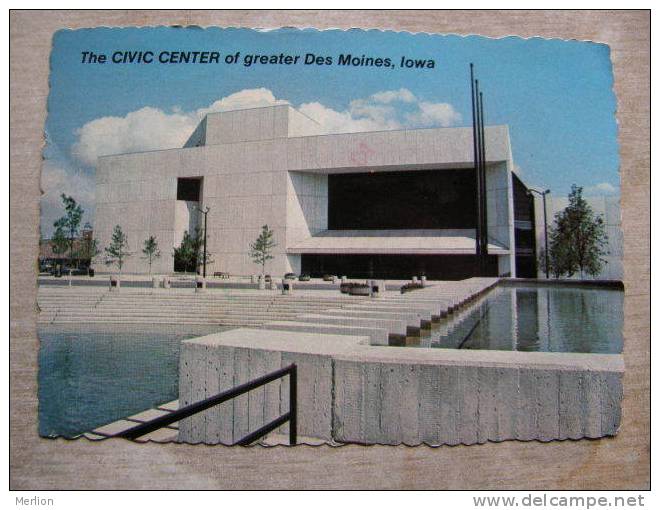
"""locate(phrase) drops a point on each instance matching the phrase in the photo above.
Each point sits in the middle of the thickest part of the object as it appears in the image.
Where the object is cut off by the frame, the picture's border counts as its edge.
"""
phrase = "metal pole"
(480, 180)
(205, 214)
(545, 228)
(484, 203)
(293, 405)
(477, 236)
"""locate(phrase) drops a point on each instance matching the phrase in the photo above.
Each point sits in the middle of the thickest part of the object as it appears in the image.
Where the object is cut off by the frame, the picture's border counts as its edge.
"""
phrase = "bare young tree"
(261, 249)
(150, 250)
(117, 252)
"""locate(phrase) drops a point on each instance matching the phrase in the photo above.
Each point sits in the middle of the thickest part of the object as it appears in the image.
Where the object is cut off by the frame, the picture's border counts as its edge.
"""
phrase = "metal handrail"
(203, 405)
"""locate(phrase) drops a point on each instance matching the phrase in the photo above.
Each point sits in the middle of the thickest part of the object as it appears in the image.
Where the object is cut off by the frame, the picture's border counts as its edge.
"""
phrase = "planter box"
(359, 290)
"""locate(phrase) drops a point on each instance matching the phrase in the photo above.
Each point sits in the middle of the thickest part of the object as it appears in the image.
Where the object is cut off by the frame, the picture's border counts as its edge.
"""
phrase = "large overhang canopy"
(393, 242)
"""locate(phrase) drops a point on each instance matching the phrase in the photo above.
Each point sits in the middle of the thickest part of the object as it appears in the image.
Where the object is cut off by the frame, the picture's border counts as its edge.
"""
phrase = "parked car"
(304, 278)
(290, 276)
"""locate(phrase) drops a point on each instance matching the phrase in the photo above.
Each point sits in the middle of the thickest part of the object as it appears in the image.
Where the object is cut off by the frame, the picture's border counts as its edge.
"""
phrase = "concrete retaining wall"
(352, 392)
(392, 403)
(218, 362)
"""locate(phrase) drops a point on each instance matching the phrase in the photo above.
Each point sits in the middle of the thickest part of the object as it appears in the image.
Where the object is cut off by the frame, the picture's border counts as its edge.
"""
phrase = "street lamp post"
(545, 225)
(205, 212)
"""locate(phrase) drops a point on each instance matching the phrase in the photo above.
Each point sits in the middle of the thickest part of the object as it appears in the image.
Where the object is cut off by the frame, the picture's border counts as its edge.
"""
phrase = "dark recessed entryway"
(189, 189)
(396, 267)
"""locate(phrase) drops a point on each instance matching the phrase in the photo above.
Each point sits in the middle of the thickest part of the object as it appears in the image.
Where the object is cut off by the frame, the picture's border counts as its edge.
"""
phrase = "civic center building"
(386, 204)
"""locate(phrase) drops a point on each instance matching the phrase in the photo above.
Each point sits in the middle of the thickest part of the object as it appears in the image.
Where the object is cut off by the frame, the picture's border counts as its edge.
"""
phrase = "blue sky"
(556, 96)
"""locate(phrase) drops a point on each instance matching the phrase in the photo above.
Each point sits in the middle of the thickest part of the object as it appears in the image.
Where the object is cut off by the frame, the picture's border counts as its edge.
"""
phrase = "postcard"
(289, 236)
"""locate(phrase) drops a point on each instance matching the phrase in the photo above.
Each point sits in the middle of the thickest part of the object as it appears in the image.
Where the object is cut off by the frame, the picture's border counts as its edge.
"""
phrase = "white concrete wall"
(198, 137)
(247, 125)
(307, 206)
(352, 392)
(301, 125)
(254, 175)
(186, 219)
(137, 193)
(499, 204)
(393, 150)
(393, 403)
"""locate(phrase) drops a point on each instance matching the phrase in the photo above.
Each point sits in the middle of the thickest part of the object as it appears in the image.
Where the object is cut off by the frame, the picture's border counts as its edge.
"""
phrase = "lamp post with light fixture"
(205, 212)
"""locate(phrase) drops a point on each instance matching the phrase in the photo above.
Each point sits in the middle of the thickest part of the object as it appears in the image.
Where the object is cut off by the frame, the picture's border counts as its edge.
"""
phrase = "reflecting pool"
(90, 375)
(537, 318)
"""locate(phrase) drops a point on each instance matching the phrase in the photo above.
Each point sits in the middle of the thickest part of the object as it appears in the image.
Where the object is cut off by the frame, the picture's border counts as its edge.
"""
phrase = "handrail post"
(293, 405)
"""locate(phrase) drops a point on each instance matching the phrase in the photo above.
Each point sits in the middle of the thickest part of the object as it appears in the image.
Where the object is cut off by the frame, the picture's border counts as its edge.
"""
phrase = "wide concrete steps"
(387, 319)
(167, 321)
(399, 316)
(69, 306)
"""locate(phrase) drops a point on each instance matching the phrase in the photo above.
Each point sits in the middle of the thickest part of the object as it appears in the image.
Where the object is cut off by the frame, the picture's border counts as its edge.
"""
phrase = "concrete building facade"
(414, 212)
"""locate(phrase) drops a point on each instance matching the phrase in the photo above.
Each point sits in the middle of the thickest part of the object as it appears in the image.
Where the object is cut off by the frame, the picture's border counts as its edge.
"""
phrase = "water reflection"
(90, 375)
(547, 319)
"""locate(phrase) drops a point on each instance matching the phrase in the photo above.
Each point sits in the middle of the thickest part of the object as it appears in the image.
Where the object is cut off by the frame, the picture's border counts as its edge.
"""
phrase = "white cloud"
(247, 98)
(380, 112)
(152, 129)
(388, 96)
(434, 114)
(602, 188)
(55, 180)
(142, 130)
(333, 121)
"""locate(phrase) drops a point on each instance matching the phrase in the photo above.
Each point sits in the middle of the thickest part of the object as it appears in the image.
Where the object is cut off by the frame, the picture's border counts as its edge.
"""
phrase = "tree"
(117, 252)
(70, 222)
(89, 247)
(577, 239)
(261, 249)
(59, 242)
(150, 250)
(185, 256)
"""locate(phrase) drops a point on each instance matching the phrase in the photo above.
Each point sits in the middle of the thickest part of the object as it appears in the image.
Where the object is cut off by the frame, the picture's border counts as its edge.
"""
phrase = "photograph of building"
(380, 254)
(387, 204)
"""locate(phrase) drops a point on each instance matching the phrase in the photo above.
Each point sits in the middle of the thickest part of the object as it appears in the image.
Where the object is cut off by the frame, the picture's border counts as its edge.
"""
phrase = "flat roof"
(394, 242)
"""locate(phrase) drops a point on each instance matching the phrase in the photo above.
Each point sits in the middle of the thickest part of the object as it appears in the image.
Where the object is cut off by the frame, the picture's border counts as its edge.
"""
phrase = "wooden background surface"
(621, 462)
